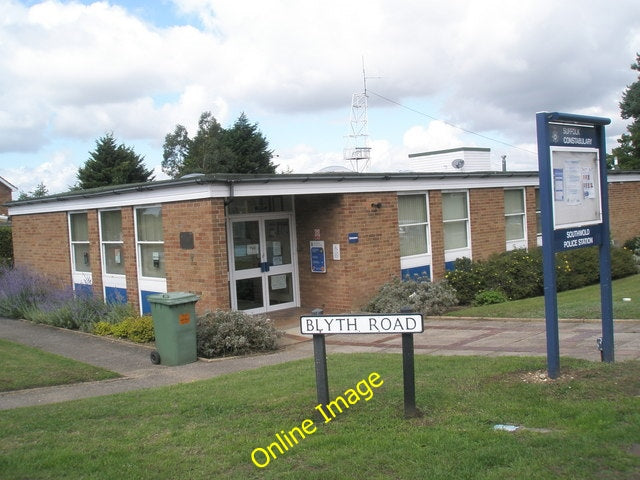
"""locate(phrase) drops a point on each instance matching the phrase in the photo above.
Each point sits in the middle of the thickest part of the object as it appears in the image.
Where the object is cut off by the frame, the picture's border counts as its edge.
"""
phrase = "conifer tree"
(112, 164)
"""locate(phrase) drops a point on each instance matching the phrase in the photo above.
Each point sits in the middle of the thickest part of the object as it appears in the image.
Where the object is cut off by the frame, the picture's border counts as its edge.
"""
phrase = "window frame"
(104, 243)
(522, 241)
(426, 223)
(141, 243)
(466, 219)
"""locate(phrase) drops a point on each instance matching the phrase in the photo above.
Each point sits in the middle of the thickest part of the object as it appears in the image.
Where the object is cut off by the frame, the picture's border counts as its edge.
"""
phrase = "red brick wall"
(41, 243)
(437, 235)
(204, 269)
(351, 281)
(488, 236)
(624, 211)
(5, 197)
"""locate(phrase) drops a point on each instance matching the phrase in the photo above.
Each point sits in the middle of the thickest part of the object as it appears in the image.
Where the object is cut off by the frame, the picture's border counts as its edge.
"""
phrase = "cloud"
(57, 173)
(70, 71)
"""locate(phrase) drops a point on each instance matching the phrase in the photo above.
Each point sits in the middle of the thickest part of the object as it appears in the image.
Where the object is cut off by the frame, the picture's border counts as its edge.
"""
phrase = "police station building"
(260, 243)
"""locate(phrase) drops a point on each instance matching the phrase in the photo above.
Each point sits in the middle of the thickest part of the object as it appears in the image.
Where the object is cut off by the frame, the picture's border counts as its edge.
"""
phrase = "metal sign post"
(574, 208)
(405, 323)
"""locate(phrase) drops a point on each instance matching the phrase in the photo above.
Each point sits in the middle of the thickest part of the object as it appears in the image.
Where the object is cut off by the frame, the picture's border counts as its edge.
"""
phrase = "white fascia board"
(627, 177)
(151, 196)
(379, 185)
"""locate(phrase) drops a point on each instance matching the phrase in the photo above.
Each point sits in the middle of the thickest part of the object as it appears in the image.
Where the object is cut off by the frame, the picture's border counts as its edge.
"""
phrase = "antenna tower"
(357, 151)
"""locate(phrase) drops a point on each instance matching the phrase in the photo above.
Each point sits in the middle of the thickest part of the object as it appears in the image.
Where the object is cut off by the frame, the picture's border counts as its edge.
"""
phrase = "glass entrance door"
(262, 263)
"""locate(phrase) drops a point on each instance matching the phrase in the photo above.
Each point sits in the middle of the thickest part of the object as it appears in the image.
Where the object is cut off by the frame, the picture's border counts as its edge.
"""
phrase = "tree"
(40, 191)
(239, 149)
(112, 164)
(628, 151)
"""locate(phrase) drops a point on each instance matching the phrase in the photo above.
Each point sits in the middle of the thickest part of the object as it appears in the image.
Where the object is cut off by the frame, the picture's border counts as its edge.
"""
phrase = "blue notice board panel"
(318, 260)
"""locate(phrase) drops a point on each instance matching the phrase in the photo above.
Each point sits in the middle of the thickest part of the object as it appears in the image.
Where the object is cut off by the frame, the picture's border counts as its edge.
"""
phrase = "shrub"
(633, 245)
(137, 329)
(20, 291)
(623, 263)
(518, 273)
(24, 294)
(6, 246)
(467, 279)
(226, 333)
(489, 297)
(418, 294)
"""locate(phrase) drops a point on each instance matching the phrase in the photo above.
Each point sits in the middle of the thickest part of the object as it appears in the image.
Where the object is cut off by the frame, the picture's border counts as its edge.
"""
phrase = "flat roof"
(246, 185)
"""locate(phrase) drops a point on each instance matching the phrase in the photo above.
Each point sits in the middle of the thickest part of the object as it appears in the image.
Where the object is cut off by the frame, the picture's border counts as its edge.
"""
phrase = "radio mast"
(357, 151)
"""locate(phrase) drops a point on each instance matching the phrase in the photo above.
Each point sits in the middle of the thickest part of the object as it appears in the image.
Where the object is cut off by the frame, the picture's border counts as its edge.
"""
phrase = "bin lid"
(173, 298)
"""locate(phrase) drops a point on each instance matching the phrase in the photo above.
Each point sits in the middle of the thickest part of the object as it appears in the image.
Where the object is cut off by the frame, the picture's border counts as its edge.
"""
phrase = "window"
(413, 224)
(514, 215)
(455, 216)
(111, 238)
(150, 241)
(79, 228)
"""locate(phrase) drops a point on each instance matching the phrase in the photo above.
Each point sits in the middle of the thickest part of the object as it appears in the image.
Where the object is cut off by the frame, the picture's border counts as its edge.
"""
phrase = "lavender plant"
(24, 294)
(20, 291)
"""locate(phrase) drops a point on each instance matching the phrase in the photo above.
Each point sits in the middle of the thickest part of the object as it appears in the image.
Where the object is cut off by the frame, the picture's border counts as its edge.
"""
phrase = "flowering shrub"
(418, 294)
(518, 273)
(20, 291)
(226, 333)
(24, 294)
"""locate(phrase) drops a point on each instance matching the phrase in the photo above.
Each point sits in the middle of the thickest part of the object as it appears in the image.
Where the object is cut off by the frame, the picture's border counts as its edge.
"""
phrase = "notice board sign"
(574, 209)
(576, 187)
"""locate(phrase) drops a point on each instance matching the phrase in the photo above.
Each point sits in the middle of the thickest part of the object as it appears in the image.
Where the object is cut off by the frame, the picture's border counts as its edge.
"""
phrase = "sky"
(438, 75)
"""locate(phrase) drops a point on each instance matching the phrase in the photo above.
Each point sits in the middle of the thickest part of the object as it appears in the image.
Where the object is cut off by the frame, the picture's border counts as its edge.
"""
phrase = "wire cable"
(449, 123)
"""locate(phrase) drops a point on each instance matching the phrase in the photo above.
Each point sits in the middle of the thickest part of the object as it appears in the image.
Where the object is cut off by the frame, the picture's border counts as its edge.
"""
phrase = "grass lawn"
(580, 303)
(26, 367)
(585, 425)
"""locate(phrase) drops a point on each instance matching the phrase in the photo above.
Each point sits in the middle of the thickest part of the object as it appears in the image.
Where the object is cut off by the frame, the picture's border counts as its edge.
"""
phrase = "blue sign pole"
(606, 292)
(548, 253)
(567, 190)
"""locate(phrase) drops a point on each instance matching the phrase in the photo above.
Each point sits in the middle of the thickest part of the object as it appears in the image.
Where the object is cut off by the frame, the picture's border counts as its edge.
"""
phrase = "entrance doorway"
(263, 265)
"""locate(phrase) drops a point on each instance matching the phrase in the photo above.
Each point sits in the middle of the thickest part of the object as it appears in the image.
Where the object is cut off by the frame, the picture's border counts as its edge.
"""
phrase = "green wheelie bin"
(174, 325)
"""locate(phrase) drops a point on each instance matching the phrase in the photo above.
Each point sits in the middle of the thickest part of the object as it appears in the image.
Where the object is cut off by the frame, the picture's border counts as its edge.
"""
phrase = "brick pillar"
(437, 235)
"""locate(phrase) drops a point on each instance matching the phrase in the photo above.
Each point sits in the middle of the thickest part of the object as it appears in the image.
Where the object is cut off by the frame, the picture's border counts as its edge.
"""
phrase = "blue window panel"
(449, 266)
(410, 273)
(115, 295)
(146, 306)
(83, 289)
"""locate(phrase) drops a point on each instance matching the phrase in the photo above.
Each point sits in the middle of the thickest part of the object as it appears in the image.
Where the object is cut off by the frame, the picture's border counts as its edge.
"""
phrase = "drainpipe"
(231, 196)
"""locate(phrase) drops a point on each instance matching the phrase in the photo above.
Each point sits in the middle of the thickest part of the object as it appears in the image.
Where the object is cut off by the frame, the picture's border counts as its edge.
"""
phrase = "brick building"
(6, 189)
(266, 242)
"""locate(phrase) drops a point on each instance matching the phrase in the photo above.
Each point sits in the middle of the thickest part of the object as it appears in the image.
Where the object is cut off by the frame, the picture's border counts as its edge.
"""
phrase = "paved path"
(442, 336)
